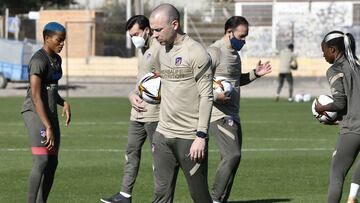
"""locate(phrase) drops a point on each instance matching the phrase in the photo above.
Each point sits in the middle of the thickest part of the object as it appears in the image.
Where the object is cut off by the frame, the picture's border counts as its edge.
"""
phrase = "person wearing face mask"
(144, 116)
(225, 120)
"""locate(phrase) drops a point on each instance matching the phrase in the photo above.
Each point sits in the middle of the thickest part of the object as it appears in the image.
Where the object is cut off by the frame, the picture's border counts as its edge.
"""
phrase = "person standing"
(144, 116)
(344, 79)
(225, 120)
(39, 112)
(287, 64)
(180, 140)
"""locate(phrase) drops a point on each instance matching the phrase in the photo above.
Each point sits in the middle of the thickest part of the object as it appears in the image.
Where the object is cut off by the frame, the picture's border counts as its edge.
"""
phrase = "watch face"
(201, 134)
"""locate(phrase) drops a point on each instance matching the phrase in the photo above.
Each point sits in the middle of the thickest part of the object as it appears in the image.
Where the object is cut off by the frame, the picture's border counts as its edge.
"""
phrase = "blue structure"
(14, 60)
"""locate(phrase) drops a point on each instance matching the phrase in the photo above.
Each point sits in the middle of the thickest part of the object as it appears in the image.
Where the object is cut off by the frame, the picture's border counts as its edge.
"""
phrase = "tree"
(24, 6)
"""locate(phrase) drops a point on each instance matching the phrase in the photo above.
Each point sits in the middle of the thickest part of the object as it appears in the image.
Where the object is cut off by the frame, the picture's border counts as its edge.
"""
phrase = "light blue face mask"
(237, 44)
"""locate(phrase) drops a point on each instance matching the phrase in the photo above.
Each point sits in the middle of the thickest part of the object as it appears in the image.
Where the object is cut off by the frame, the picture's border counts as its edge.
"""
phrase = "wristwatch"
(201, 134)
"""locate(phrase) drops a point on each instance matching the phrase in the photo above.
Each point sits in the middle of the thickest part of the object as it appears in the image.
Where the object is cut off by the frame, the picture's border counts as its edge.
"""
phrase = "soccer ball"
(327, 117)
(222, 85)
(149, 88)
(302, 97)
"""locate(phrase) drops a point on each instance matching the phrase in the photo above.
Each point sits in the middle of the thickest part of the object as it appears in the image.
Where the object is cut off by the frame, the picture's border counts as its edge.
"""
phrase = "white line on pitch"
(73, 123)
(147, 150)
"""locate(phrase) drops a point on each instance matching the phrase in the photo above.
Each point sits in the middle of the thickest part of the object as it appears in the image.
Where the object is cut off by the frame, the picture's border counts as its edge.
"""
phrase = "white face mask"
(139, 42)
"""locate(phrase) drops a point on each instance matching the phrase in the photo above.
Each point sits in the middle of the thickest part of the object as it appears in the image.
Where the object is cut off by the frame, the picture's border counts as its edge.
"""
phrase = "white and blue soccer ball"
(327, 117)
(149, 88)
(222, 85)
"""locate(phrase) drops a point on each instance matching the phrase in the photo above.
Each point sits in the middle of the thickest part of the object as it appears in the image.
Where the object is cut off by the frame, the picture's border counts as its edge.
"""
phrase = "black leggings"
(347, 149)
(44, 161)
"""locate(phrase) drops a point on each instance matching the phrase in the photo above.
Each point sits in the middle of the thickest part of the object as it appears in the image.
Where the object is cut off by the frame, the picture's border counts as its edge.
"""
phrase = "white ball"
(327, 117)
(222, 85)
(149, 88)
(299, 98)
(307, 97)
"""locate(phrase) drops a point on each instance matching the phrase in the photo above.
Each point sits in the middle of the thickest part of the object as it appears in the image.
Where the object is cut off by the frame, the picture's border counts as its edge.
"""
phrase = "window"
(258, 15)
(356, 14)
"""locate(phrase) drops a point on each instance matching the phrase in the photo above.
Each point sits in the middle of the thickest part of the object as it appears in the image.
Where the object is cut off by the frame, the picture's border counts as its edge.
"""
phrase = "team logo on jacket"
(148, 55)
(178, 60)
(42, 132)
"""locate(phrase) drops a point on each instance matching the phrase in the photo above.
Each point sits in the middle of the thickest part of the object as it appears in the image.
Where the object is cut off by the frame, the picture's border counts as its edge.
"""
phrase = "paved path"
(120, 87)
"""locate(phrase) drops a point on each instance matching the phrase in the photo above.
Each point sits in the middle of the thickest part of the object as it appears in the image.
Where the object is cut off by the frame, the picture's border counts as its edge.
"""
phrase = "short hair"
(234, 21)
(52, 28)
(174, 14)
(171, 11)
(141, 20)
(291, 46)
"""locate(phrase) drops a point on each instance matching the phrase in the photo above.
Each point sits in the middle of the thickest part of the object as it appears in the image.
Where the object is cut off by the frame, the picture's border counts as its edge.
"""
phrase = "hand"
(263, 69)
(197, 149)
(319, 107)
(66, 111)
(222, 98)
(50, 142)
(332, 123)
(136, 103)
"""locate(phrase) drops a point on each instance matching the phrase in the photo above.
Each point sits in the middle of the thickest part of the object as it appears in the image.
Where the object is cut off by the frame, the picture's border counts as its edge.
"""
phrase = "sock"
(353, 190)
(125, 194)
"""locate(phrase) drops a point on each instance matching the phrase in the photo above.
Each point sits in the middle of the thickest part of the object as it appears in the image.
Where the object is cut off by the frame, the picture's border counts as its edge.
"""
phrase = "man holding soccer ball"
(180, 140)
(144, 116)
(225, 120)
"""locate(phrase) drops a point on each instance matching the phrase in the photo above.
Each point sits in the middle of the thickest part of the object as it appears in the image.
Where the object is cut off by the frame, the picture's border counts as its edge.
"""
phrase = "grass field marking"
(74, 123)
(286, 139)
(148, 150)
(127, 122)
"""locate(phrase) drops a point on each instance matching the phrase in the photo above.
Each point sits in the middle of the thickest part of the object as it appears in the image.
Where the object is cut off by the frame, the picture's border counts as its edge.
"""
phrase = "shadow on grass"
(262, 201)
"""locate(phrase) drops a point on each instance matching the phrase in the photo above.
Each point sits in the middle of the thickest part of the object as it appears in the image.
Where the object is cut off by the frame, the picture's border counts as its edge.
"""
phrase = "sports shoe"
(117, 198)
(290, 99)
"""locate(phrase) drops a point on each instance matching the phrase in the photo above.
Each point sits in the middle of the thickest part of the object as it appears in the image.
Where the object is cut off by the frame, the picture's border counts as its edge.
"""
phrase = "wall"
(118, 67)
(81, 36)
(303, 23)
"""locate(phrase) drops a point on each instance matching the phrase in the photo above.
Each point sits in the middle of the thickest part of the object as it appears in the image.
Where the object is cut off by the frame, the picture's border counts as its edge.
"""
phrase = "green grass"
(286, 154)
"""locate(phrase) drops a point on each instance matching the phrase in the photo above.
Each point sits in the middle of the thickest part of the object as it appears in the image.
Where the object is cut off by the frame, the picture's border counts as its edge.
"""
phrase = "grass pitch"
(286, 154)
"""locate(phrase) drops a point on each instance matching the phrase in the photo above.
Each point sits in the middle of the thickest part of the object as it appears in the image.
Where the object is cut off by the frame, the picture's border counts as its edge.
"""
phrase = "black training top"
(48, 68)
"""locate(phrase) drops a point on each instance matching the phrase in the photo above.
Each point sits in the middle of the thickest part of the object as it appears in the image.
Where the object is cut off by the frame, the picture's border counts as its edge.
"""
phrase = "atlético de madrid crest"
(178, 60)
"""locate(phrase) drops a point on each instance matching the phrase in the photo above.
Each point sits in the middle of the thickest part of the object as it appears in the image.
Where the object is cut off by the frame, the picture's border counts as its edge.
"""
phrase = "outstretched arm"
(260, 70)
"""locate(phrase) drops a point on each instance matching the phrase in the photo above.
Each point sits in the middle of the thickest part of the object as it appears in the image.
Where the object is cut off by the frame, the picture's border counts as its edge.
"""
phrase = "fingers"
(50, 142)
(196, 155)
(136, 103)
(68, 118)
(139, 108)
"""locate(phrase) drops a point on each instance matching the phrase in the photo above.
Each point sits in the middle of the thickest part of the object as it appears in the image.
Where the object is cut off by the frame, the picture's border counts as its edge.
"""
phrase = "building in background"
(84, 34)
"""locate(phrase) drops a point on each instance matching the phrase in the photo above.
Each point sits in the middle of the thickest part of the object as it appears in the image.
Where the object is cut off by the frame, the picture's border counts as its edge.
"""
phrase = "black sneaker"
(117, 198)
